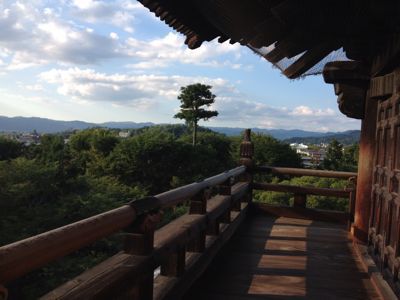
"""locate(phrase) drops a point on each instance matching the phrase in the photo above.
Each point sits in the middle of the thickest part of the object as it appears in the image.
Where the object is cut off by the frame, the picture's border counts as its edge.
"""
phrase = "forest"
(61, 180)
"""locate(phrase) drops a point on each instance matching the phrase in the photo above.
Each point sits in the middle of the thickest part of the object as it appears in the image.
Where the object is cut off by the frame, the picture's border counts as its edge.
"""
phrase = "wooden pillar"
(351, 80)
(365, 171)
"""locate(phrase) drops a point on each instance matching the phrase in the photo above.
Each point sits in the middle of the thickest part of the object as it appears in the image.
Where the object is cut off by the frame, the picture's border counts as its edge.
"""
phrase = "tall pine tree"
(194, 98)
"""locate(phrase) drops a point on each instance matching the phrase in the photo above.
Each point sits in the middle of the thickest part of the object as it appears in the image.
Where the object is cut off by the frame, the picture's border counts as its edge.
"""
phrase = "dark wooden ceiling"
(306, 31)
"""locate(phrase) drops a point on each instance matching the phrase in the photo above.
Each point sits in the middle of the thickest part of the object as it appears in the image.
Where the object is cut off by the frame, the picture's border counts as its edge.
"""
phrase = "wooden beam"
(382, 87)
(285, 188)
(309, 59)
(302, 213)
(388, 58)
(292, 45)
(268, 32)
(345, 72)
(306, 172)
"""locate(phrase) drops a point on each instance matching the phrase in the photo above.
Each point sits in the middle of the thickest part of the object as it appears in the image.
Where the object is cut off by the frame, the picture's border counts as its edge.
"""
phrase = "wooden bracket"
(351, 80)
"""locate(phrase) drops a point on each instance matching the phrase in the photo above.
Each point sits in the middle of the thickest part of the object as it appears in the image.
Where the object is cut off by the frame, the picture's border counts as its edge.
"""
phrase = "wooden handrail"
(305, 172)
(285, 188)
(19, 258)
(180, 194)
(101, 281)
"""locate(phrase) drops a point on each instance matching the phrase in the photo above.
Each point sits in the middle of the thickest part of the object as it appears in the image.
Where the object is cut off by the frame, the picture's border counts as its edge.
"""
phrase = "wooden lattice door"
(385, 215)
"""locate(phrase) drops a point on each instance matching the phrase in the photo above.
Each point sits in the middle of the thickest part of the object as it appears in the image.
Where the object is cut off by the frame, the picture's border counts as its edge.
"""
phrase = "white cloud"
(32, 36)
(303, 110)
(170, 49)
(149, 92)
(114, 36)
(248, 113)
(119, 13)
(89, 85)
(34, 87)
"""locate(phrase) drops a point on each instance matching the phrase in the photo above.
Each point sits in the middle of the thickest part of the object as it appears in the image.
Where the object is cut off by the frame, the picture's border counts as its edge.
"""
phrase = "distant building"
(300, 148)
(28, 138)
(123, 134)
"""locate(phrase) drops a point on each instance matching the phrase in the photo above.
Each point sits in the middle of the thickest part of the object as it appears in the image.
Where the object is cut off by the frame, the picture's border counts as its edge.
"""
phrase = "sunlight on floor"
(278, 285)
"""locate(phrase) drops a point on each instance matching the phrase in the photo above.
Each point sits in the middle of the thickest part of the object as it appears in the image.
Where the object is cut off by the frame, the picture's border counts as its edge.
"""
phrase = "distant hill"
(345, 138)
(42, 125)
(280, 134)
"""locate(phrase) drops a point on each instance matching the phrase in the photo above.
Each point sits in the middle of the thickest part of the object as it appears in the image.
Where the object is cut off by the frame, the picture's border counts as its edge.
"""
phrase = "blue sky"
(103, 61)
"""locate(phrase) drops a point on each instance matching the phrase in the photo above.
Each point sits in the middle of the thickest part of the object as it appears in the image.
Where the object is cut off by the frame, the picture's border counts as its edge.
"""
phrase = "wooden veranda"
(286, 258)
(225, 247)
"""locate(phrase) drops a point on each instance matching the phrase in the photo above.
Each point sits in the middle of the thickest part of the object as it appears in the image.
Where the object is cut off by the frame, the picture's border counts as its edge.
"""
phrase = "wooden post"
(352, 201)
(246, 159)
(174, 265)
(300, 200)
(365, 171)
(198, 205)
(140, 241)
(225, 189)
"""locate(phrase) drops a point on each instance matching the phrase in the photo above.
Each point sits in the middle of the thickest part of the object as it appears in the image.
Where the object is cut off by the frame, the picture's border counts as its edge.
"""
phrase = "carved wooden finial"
(246, 149)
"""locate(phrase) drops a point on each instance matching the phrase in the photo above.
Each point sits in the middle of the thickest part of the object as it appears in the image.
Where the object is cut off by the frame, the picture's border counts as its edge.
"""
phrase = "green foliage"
(55, 183)
(348, 137)
(269, 151)
(193, 98)
(341, 159)
(9, 148)
(320, 202)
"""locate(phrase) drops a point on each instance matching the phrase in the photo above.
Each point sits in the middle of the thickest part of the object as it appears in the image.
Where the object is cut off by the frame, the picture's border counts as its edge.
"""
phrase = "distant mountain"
(346, 138)
(280, 134)
(42, 125)
(125, 125)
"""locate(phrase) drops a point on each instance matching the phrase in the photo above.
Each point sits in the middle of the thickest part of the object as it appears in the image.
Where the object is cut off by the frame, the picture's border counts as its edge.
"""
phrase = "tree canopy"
(341, 158)
(194, 98)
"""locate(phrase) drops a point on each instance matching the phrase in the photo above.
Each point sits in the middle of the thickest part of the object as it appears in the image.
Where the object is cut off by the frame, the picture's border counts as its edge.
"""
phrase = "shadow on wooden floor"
(284, 258)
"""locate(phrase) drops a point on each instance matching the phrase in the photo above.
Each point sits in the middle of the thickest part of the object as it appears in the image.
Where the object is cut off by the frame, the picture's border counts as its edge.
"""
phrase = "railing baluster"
(140, 241)
(300, 200)
(352, 201)
(225, 189)
(198, 205)
(213, 227)
(174, 265)
(246, 159)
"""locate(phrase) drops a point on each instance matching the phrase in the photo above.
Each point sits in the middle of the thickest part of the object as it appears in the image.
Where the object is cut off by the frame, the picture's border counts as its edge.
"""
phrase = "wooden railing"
(181, 250)
(145, 248)
(300, 192)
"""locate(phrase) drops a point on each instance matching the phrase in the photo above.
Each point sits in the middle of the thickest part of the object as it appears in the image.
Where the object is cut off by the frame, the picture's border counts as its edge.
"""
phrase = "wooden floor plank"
(284, 258)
